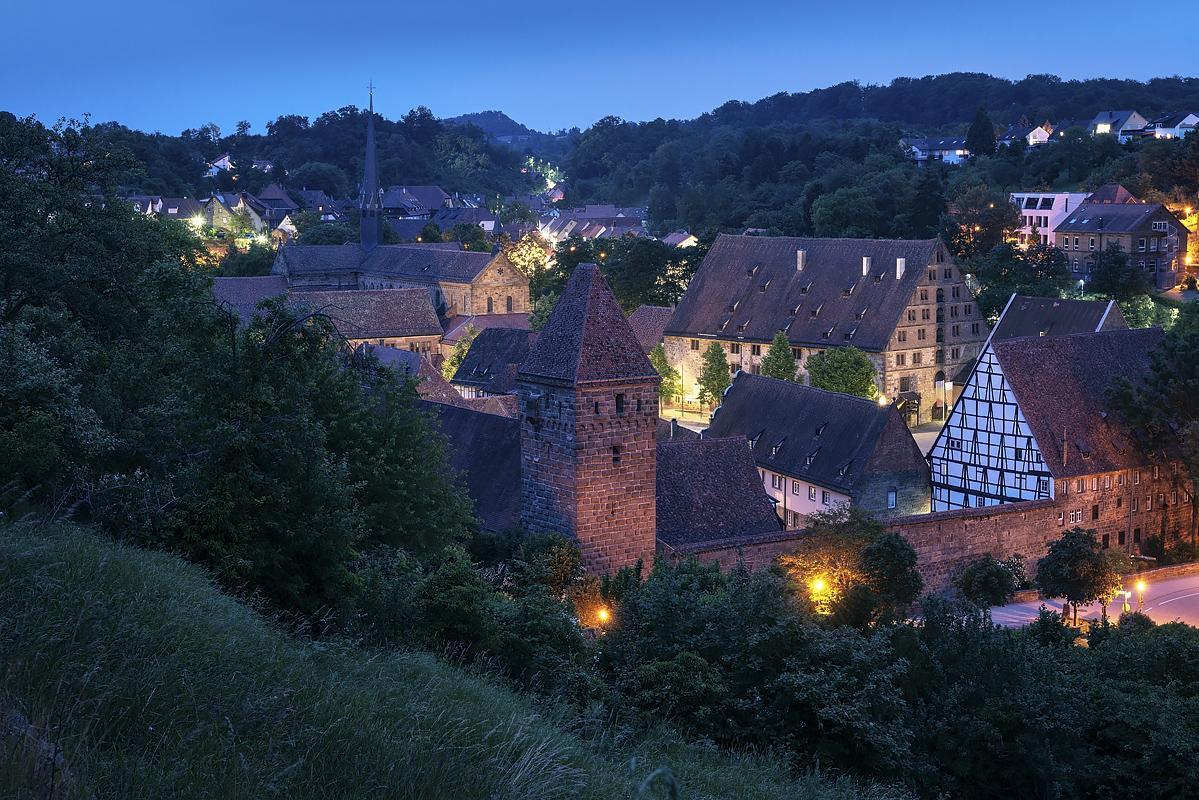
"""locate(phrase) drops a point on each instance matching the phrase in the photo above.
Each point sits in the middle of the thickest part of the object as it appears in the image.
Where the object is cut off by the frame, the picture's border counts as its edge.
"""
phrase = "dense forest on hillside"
(415, 149)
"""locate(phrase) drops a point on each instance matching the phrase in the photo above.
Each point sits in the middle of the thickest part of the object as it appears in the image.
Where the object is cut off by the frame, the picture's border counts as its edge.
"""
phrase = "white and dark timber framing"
(986, 454)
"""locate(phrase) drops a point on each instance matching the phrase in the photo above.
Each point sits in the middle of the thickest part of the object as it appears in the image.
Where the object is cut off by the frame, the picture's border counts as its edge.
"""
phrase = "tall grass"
(156, 685)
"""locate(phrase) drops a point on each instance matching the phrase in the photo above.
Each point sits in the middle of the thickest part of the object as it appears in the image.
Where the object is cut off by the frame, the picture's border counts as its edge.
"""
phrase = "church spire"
(368, 203)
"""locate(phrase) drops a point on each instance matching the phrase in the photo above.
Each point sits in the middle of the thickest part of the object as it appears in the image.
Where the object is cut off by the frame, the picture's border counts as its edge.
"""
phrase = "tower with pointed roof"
(370, 202)
(588, 413)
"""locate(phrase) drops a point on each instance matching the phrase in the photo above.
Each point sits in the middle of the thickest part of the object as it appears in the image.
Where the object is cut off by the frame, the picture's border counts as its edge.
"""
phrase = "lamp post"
(1140, 595)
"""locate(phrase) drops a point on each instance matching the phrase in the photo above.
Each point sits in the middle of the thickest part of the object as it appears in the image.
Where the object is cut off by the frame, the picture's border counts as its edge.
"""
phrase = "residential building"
(681, 239)
(599, 221)
(1031, 135)
(1125, 125)
(1112, 194)
(1035, 423)
(951, 150)
(816, 450)
(1055, 316)
(1174, 125)
(1040, 213)
(456, 327)
(903, 302)
(319, 202)
(1153, 238)
(413, 201)
(447, 218)
(490, 365)
(277, 204)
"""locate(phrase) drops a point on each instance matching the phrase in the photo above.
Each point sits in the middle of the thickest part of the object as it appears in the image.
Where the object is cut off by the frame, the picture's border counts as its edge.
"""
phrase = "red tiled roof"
(648, 324)
(587, 338)
(375, 313)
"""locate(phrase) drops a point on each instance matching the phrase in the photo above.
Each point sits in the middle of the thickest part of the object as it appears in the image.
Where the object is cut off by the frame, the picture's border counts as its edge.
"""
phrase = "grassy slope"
(157, 685)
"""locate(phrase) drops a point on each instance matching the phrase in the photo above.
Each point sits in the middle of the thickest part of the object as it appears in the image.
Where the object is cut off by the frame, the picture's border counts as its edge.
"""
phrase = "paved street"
(1165, 601)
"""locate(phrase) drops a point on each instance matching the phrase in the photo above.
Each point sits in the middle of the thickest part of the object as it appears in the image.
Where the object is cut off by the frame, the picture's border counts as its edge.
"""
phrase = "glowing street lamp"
(603, 615)
(1140, 595)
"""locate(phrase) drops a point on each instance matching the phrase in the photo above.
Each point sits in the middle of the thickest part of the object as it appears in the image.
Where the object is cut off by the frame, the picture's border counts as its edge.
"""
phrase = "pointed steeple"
(369, 203)
(587, 337)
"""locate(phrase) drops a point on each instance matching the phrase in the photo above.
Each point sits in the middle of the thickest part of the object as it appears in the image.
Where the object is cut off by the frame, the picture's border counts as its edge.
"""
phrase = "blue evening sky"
(172, 64)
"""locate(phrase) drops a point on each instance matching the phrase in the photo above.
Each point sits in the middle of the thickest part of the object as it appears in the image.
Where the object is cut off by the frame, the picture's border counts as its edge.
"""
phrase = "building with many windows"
(1154, 239)
(903, 302)
(1040, 213)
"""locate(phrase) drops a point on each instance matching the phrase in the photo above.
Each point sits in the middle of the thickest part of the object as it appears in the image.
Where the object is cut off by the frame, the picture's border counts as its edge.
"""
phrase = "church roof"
(750, 287)
(244, 294)
(1061, 384)
(709, 489)
(587, 338)
(375, 313)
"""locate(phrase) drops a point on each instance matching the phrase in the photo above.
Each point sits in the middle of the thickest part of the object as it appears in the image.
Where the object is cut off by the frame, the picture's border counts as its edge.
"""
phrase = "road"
(1165, 601)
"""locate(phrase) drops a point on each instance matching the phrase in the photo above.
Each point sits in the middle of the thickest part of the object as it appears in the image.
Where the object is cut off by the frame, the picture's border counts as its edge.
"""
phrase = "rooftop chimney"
(901, 265)
(801, 260)
(866, 265)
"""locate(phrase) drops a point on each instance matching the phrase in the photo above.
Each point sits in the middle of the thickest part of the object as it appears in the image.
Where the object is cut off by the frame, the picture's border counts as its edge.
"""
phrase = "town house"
(1154, 239)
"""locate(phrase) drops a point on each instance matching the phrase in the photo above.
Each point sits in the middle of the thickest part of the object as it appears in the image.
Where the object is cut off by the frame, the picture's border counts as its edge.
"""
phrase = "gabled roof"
(1054, 316)
(800, 431)
(432, 263)
(649, 323)
(1113, 218)
(1172, 119)
(180, 207)
(430, 383)
(709, 489)
(485, 450)
(415, 198)
(274, 196)
(1112, 193)
(671, 430)
(374, 313)
(1117, 119)
(455, 327)
(494, 357)
(748, 287)
(504, 405)
(244, 294)
(1061, 383)
(587, 338)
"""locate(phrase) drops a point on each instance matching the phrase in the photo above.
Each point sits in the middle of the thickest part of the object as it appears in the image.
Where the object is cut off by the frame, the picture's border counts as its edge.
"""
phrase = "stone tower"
(370, 201)
(588, 414)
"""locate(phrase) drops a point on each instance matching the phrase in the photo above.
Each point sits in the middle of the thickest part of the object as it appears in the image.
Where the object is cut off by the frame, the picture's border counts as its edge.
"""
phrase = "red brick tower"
(588, 412)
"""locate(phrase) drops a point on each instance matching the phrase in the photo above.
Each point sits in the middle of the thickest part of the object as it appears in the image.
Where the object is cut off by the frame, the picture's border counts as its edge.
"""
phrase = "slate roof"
(408, 228)
(1113, 218)
(1117, 119)
(275, 196)
(1053, 316)
(710, 489)
(446, 218)
(431, 263)
(430, 385)
(505, 405)
(494, 357)
(455, 327)
(180, 207)
(485, 450)
(1170, 119)
(1112, 193)
(1061, 383)
(375, 313)
(933, 144)
(244, 294)
(670, 430)
(649, 324)
(315, 199)
(800, 431)
(748, 288)
(415, 198)
(587, 338)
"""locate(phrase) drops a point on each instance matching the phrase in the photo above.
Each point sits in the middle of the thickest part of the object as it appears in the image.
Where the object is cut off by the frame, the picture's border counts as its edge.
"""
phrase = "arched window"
(488, 305)
(508, 303)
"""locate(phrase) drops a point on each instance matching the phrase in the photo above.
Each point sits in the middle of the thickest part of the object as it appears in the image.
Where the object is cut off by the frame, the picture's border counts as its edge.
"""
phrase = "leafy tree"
(843, 369)
(1038, 271)
(470, 235)
(1076, 569)
(449, 367)
(671, 384)
(256, 260)
(430, 233)
(986, 582)
(714, 375)
(330, 233)
(827, 562)
(329, 178)
(780, 360)
(530, 254)
(1115, 276)
(888, 566)
(928, 204)
(543, 306)
(980, 139)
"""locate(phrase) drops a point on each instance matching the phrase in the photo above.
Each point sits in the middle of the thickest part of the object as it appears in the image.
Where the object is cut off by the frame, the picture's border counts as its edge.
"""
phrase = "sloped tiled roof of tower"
(587, 337)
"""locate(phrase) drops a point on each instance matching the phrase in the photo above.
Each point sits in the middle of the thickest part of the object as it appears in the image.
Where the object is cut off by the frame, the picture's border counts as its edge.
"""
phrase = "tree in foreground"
(843, 369)
(671, 384)
(986, 582)
(1075, 568)
(980, 139)
(714, 374)
(780, 360)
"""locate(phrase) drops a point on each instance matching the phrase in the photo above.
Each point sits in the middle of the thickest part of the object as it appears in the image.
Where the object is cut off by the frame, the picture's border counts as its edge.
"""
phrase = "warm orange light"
(1141, 586)
(603, 615)
(818, 585)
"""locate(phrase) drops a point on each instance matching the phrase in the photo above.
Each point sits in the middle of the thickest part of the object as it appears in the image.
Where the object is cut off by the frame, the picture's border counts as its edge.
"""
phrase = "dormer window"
(811, 457)
(741, 327)
(733, 306)
(774, 450)
(827, 334)
(752, 271)
(847, 291)
(762, 287)
(804, 289)
(820, 428)
(816, 310)
(862, 313)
